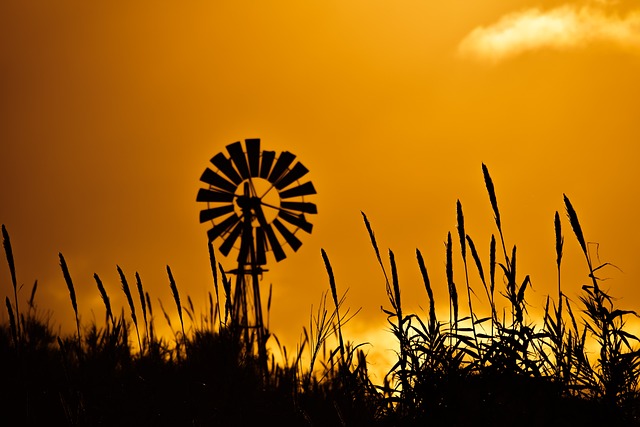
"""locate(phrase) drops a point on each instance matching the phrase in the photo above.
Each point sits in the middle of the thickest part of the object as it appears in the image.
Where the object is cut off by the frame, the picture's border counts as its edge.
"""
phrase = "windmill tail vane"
(257, 205)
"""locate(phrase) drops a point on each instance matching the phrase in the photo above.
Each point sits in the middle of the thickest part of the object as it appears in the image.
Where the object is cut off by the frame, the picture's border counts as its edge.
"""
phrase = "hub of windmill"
(257, 194)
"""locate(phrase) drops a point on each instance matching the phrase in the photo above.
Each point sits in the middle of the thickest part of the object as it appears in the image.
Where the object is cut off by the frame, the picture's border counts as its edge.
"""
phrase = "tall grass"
(505, 369)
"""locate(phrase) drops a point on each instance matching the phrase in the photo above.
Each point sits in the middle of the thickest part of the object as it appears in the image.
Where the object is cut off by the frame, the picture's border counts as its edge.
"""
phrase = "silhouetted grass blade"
(461, 232)
(334, 294)
(559, 238)
(374, 243)
(105, 297)
(575, 224)
(427, 285)
(492, 195)
(176, 298)
(8, 250)
(453, 293)
(72, 291)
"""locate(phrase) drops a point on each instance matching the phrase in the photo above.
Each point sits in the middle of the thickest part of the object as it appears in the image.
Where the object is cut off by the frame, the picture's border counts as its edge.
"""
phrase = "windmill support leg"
(260, 330)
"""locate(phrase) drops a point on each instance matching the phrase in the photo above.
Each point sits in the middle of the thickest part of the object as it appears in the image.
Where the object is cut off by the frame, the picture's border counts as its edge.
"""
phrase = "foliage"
(500, 370)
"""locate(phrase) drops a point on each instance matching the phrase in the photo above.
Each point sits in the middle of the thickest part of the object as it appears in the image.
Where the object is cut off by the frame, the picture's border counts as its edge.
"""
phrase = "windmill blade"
(212, 178)
(267, 162)
(209, 214)
(218, 229)
(253, 154)
(275, 245)
(305, 207)
(261, 247)
(301, 190)
(297, 172)
(291, 238)
(283, 162)
(225, 166)
(228, 243)
(298, 221)
(238, 158)
(207, 195)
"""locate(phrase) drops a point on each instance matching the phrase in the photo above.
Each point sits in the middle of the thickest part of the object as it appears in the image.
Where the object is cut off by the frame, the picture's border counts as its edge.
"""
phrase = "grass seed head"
(492, 195)
(6, 242)
(104, 296)
(575, 224)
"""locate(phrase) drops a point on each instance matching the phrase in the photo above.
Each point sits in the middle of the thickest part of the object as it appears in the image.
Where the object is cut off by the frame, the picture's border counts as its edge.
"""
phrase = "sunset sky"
(110, 111)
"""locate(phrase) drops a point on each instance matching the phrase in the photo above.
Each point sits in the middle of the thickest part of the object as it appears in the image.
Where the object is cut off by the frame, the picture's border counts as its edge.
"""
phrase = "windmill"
(257, 205)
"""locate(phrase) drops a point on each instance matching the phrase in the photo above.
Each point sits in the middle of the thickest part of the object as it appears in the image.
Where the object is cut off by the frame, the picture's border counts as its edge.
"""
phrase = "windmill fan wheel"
(256, 197)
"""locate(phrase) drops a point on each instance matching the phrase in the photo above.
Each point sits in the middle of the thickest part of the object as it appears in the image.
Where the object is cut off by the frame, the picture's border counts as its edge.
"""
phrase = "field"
(504, 369)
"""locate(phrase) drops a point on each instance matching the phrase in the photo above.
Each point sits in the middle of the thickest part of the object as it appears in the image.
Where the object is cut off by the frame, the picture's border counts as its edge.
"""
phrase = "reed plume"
(127, 293)
(72, 292)
(334, 294)
(427, 284)
(105, 298)
(176, 298)
(8, 250)
(142, 304)
(453, 292)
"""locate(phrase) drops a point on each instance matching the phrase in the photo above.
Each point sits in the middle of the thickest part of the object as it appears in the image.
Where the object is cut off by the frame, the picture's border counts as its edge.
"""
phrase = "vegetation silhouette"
(497, 370)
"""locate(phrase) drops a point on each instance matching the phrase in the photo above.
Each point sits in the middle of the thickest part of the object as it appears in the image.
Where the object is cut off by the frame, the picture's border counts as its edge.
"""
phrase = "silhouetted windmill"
(255, 197)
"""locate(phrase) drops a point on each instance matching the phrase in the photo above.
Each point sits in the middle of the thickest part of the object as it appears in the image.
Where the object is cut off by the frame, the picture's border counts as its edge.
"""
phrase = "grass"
(498, 370)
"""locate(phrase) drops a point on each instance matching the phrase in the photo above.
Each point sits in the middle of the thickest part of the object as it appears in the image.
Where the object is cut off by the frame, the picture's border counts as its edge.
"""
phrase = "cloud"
(563, 28)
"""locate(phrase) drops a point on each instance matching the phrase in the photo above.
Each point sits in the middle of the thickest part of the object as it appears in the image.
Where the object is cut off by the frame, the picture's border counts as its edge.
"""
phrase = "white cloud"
(562, 28)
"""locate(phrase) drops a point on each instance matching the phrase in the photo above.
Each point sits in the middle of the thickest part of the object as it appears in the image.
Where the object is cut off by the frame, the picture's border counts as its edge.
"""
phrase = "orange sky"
(110, 112)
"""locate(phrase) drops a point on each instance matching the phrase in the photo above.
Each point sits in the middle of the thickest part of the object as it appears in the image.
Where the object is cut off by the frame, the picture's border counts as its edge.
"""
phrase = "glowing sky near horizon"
(110, 111)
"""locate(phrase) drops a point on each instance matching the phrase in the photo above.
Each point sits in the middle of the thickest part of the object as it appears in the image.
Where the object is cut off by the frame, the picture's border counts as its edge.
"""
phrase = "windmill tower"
(256, 204)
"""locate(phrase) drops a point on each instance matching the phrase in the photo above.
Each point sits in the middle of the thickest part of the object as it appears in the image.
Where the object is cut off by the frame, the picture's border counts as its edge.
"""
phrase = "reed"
(176, 299)
(374, 243)
(214, 273)
(143, 305)
(427, 285)
(494, 205)
(132, 307)
(8, 251)
(453, 292)
(334, 294)
(105, 299)
(32, 296)
(462, 235)
(72, 292)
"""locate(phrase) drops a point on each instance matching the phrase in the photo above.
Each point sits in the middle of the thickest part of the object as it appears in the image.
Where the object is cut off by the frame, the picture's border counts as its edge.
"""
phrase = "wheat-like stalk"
(72, 292)
(8, 250)
(372, 236)
(33, 294)
(214, 272)
(105, 298)
(143, 304)
(176, 298)
(453, 293)
(127, 293)
(463, 247)
(334, 294)
(427, 285)
(559, 246)
(492, 195)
